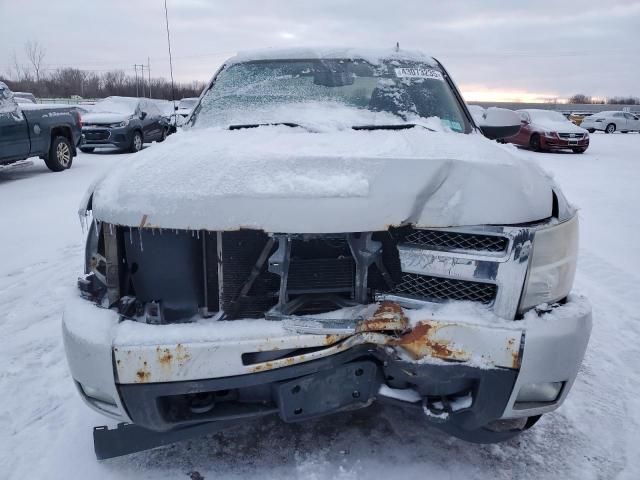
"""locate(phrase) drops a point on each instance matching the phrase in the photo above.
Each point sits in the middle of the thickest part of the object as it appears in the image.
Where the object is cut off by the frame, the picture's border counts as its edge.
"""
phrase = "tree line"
(581, 98)
(67, 82)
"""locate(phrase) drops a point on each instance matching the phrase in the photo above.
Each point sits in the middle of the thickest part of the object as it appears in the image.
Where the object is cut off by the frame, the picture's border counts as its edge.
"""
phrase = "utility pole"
(149, 72)
(142, 79)
(135, 66)
(135, 69)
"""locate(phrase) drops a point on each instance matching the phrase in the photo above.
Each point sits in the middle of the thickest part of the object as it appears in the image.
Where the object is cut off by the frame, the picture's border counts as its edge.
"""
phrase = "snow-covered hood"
(560, 127)
(104, 117)
(283, 179)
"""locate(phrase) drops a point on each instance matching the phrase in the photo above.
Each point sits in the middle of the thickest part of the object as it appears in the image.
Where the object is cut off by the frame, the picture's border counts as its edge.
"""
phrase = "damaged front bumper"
(468, 370)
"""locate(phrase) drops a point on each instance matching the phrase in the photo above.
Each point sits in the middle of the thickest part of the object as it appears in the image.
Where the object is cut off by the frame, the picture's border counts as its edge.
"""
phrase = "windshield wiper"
(391, 126)
(256, 125)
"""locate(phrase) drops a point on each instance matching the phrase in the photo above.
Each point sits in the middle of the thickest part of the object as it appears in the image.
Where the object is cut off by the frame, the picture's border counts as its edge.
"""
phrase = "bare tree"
(20, 72)
(580, 98)
(35, 53)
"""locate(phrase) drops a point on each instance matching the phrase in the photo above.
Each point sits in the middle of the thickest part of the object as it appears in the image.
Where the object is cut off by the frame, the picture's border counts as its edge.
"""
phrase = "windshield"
(547, 115)
(123, 105)
(338, 93)
(187, 103)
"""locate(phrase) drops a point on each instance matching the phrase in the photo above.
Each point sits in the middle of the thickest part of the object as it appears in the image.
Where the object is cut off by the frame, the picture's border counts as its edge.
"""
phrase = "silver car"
(610, 122)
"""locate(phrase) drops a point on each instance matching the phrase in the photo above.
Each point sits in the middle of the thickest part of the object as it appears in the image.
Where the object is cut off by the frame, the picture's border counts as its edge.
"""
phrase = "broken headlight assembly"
(553, 264)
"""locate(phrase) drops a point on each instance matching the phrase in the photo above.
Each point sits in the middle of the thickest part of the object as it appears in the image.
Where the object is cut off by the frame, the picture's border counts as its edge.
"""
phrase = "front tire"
(87, 149)
(60, 155)
(591, 130)
(534, 143)
(165, 133)
(579, 150)
(610, 128)
(136, 142)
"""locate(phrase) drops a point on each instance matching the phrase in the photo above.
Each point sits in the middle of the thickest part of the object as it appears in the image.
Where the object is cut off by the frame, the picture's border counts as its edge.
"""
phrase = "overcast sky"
(500, 48)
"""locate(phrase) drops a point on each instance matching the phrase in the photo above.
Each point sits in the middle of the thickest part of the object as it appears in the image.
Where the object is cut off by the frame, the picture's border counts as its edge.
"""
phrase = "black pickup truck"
(49, 132)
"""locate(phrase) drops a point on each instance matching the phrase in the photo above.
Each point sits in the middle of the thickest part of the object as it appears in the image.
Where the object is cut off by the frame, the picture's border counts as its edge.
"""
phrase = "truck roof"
(372, 55)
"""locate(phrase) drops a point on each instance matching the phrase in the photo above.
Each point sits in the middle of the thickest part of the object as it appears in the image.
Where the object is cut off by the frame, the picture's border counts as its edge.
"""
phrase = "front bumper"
(148, 374)
(94, 137)
(557, 143)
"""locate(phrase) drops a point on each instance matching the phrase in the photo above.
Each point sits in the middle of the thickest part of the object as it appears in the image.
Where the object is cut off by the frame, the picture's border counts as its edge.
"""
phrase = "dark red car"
(549, 130)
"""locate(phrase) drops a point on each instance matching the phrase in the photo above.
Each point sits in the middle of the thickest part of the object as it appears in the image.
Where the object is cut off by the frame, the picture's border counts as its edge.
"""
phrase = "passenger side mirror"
(143, 115)
(498, 123)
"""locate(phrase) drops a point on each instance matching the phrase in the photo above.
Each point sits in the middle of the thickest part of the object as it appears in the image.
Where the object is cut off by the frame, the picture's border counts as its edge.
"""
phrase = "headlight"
(119, 125)
(550, 134)
(553, 264)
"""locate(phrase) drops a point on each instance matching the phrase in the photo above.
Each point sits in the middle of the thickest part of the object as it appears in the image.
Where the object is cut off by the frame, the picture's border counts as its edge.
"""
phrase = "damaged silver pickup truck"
(331, 229)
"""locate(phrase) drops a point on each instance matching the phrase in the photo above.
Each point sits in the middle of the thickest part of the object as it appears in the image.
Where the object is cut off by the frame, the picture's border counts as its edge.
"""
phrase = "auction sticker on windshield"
(419, 73)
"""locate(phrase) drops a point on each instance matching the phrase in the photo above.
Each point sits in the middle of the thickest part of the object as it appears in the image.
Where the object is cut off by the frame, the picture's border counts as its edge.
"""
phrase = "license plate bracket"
(329, 391)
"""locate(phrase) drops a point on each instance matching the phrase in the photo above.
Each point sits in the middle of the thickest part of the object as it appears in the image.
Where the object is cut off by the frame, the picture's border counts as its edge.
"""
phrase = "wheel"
(579, 150)
(163, 137)
(534, 142)
(610, 128)
(60, 155)
(591, 130)
(136, 142)
(87, 149)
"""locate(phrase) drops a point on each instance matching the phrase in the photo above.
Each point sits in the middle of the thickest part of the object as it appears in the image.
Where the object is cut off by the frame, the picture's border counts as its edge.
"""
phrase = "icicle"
(111, 229)
(130, 236)
(140, 238)
(198, 234)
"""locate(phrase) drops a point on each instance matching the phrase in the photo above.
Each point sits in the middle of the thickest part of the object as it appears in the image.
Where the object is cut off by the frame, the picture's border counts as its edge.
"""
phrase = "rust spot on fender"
(164, 356)
(515, 353)
(143, 375)
(388, 317)
(420, 342)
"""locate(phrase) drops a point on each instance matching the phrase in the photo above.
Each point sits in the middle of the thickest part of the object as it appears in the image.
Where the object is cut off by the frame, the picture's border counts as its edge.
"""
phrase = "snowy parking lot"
(46, 430)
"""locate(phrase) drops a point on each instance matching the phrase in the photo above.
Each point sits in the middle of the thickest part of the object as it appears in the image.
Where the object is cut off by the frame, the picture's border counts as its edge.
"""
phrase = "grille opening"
(445, 240)
(439, 289)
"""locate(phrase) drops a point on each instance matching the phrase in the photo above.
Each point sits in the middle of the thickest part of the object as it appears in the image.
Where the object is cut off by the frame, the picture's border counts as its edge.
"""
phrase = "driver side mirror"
(143, 115)
(498, 123)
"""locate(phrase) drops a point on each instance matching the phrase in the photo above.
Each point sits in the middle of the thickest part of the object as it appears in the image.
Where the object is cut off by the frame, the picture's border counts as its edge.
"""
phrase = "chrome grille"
(438, 288)
(448, 240)
(576, 136)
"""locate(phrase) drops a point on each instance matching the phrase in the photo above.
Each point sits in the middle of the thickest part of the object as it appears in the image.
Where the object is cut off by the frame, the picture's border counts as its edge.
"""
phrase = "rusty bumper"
(234, 369)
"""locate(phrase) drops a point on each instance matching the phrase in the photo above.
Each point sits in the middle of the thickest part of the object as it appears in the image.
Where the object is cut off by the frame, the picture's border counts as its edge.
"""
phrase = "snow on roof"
(371, 55)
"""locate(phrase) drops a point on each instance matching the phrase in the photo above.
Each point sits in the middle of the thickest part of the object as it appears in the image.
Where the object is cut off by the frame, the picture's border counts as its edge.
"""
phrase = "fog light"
(539, 392)
(96, 394)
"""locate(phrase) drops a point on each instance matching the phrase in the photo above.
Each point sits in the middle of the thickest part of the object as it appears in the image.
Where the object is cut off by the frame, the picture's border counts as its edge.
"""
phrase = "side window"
(628, 116)
(618, 114)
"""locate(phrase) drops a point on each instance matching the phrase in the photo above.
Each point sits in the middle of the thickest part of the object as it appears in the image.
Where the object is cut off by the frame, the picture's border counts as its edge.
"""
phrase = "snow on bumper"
(102, 352)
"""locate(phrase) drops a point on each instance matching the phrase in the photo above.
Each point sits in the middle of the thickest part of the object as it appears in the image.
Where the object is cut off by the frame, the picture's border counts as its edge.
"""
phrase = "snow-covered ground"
(46, 430)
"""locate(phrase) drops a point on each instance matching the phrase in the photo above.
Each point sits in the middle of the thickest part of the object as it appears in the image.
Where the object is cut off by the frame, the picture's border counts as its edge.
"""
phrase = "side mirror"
(498, 123)
(143, 115)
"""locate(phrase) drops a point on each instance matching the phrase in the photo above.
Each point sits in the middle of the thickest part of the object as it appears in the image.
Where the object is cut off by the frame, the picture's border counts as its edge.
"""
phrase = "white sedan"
(610, 122)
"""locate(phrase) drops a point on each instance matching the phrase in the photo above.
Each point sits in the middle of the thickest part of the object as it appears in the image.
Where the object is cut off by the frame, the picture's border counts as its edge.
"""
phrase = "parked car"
(171, 117)
(330, 230)
(610, 122)
(49, 132)
(28, 97)
(186, 106)
(545, 130)
(125, 123)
